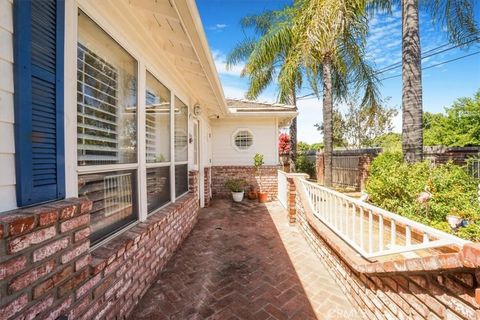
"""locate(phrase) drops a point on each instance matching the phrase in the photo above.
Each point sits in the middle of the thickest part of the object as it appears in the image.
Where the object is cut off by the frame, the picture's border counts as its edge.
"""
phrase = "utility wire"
(399, 75)
(423, 57)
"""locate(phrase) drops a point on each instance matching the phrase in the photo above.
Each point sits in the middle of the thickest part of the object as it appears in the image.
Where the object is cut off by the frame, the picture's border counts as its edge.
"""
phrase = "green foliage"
(458, 127)
(258, 160)
(361, 125)
(236, 185)
(395, 186)
(304, 147)
(389, 141)
(304, 165)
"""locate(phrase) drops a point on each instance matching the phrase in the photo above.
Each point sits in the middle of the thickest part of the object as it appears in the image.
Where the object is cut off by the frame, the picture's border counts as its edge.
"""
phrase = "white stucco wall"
(265, 135)
(7, 142)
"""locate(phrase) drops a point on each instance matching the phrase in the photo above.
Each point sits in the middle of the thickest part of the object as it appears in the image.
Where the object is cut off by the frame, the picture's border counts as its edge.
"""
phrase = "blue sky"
(441, 85)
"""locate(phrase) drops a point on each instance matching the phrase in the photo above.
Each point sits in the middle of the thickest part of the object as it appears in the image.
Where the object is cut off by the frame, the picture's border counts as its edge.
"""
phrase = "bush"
(395, 186)
(236, 185)
(304, 165)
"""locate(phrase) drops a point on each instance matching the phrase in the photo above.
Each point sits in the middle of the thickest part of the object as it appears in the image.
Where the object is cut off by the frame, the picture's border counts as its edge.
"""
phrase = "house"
(114, 124)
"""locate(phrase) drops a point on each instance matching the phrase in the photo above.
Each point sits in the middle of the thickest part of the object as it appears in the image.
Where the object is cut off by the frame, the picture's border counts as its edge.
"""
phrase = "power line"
(436, 65)
(399, 75)
(427, 53)
(425, 68)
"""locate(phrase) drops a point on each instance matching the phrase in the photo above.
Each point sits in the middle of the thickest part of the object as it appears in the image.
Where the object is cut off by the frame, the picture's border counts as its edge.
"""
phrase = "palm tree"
(325, 41)
(458, 18)
(260, 79)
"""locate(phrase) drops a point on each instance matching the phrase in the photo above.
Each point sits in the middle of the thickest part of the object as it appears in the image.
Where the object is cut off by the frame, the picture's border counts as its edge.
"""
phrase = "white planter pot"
(237, 196)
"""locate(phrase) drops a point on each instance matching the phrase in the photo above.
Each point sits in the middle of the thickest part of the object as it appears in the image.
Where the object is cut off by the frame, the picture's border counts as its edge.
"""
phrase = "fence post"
(320, 166)
(363, 167)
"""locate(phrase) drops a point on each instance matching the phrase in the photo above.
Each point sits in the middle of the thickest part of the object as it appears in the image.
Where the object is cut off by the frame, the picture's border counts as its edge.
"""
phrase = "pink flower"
(424, 197)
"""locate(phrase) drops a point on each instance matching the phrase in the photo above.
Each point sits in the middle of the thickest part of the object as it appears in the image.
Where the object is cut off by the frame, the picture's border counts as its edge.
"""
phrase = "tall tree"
(327, 40)
(458, 18)
(262, 24)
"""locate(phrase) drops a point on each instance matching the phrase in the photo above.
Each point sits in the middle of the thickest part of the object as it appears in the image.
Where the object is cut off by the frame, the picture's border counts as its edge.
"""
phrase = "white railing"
(282, 188)
(370, 230)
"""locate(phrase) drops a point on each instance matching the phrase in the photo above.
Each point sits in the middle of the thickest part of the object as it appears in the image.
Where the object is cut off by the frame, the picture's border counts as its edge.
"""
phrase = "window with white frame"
(106, 128)
(243, 139)
(181, 147)
(108, 113)
(157, 143)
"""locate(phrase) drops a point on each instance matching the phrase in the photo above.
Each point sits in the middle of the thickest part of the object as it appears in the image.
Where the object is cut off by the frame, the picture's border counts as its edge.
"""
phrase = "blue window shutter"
(39, 111)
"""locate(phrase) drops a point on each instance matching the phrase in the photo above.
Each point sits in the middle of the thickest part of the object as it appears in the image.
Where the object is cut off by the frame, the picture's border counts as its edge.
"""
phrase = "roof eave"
(192, 23)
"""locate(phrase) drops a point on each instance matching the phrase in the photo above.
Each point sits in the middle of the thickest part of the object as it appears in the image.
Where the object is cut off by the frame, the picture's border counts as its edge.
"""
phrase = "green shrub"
(395, 186)
(304, 165)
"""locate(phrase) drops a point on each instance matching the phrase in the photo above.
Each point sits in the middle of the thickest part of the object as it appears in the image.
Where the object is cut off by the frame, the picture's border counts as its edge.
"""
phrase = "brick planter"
(440, 286)
(220, 175)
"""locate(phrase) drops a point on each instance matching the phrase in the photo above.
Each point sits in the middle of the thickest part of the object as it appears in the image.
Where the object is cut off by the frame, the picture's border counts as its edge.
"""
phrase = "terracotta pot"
(262, 197)
(252, 195)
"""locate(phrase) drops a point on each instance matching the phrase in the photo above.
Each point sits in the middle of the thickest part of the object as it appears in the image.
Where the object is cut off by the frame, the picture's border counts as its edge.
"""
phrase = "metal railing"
(282, 188)
(372, 231)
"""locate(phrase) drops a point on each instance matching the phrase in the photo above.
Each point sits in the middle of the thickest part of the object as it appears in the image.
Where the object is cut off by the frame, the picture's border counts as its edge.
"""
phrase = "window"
(157, 140)
(114, 200)
(157, 106)
(106, 128)
(39, 92)
(108, 146)
(158, 187)
(181, 147)
(243, 139)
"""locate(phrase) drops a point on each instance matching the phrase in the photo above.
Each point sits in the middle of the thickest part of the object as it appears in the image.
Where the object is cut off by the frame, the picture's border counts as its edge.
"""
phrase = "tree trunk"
(412, 122)
(293, 137)
(327, 123)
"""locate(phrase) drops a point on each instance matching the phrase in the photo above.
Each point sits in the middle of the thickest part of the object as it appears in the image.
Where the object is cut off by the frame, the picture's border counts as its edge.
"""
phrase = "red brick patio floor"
(243, 261)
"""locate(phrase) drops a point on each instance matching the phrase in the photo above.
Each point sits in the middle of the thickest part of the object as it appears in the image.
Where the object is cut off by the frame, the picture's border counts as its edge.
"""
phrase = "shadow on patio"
(243, 261)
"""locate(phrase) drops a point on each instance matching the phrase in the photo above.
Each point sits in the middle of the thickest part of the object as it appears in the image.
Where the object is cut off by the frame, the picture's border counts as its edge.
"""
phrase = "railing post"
(291, 201)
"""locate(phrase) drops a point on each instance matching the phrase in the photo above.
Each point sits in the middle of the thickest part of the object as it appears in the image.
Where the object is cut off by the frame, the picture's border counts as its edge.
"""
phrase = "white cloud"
(218, 27)
(220, 62)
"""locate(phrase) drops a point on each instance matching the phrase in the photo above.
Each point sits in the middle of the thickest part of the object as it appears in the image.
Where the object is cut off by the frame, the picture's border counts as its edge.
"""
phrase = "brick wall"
(444, 286)
(268, 178)
(48, 270)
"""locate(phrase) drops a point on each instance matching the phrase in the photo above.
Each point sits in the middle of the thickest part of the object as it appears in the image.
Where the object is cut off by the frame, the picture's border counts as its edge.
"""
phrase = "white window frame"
(234, 138)
(175, 162)
(72, 169)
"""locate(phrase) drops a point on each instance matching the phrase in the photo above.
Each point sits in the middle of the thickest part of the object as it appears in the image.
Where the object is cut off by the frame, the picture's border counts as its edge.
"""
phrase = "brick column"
(193, 182)
(291, 204)
(320, 166)
(207, 187)
(363, 168)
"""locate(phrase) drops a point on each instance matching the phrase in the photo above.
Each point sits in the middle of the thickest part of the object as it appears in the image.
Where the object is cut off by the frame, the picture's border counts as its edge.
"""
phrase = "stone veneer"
(268, 178)
(443, 286)
(47, 269)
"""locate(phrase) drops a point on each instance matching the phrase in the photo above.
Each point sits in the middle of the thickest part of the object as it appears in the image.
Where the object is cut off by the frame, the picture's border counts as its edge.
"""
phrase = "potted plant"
(258, 163)
(253, 193)
(236, 186)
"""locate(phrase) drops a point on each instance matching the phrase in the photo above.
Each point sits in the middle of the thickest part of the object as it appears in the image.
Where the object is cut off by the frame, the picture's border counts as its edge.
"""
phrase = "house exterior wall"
(7, 142)
(265, 137)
